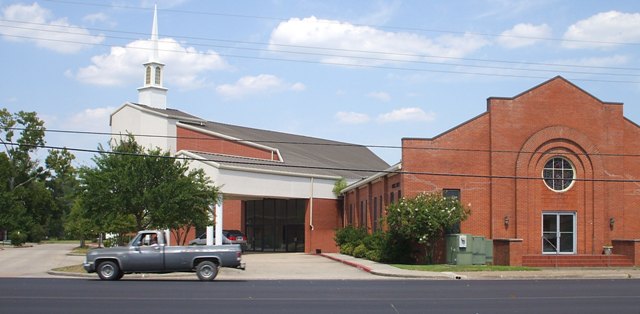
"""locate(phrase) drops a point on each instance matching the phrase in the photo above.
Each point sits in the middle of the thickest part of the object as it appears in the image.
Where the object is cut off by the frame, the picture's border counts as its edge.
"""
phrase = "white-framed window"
(558, 174)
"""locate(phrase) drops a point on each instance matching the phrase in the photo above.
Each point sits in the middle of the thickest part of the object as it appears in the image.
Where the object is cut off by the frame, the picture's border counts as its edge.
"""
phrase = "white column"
(167, 237)
(219, 220)
(210, 230)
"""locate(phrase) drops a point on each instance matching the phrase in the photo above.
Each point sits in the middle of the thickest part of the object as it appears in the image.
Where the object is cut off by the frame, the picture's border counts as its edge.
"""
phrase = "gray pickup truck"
(148, 253)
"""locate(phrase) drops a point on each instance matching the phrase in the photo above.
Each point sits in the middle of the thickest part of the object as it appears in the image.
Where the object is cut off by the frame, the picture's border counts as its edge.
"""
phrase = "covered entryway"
(275, 225)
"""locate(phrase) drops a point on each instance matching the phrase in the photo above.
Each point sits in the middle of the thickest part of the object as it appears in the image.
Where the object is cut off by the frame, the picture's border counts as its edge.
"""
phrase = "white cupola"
(152, 93)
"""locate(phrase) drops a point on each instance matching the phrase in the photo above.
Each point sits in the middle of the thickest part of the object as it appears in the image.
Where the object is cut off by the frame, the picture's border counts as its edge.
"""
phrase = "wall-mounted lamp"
(506, 221)
(612, 222)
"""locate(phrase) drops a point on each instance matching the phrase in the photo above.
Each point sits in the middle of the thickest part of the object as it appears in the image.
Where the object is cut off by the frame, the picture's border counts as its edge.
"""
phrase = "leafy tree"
(26, 203)
(77, 225)
(63, 184)
(132, 189)
(338, 186)
(424, 218)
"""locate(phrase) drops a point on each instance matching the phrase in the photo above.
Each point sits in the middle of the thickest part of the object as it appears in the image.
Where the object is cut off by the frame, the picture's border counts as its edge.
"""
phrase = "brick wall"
(202, 142)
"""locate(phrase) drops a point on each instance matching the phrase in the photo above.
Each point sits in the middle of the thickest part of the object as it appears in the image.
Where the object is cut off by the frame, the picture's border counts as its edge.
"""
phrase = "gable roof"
(302, 155)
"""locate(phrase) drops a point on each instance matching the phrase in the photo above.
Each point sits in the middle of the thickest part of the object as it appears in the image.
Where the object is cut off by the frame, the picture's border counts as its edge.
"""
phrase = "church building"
(551, 175)
(277, 187)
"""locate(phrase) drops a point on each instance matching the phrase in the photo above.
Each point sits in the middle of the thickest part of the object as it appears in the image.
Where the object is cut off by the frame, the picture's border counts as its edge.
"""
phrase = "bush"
(360, 251)
(374, 255)
(350, 234)
(18, 238)
(37, 233)
(347, 248)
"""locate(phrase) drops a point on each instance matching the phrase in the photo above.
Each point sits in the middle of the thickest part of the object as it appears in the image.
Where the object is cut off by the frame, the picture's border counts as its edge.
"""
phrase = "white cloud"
(122, 65)
(352, 41)
(381, 96)
(524, 34)
(92, 119)
(352, 117)
(260, 84)
(32, 23)
(603, 30)
(407, 114)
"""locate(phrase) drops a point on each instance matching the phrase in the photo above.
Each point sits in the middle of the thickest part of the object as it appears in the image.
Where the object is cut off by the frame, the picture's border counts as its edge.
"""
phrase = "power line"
(441, 174)
(347, 64)
(188, 12)
(338, 144)
(387, 53)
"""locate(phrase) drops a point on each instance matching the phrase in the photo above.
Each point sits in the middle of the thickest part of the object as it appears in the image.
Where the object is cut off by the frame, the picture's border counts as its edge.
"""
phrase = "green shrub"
(350, 234)
(37, 233)
(360, 251)
(18, 238)
(347, 248)
(374, 255)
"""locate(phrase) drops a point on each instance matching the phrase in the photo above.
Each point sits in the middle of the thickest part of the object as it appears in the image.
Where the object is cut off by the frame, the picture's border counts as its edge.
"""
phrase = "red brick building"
(551, 175)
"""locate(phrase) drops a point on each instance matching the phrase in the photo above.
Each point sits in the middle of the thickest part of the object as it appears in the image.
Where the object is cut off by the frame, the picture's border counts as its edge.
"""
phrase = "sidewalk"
(544, 273)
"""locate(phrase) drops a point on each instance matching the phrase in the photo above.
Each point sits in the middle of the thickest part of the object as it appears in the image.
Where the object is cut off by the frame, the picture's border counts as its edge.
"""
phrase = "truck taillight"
(239, 255)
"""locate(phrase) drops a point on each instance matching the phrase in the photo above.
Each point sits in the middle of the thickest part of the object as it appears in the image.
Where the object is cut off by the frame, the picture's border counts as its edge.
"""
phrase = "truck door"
(145, 255)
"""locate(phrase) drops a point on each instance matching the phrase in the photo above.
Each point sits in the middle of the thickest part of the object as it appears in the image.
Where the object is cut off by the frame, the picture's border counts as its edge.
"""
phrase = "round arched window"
(558, 174)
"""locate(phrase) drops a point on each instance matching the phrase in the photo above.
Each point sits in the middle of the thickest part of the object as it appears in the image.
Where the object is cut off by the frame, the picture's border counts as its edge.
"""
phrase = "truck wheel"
(207, 270)
(109, 270)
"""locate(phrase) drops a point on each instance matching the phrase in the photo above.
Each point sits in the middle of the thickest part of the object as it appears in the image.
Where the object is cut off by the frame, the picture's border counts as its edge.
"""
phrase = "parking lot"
(37, 260)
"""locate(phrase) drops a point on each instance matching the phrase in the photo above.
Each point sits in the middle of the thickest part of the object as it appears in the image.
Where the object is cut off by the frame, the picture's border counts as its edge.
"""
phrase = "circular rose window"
(558, 174)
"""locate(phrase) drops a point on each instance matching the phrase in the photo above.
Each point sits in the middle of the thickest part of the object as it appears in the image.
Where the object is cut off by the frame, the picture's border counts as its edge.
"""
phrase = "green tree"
(132, 189)
(424, 218)
(77, 225)
(63, 184)
(26, 202)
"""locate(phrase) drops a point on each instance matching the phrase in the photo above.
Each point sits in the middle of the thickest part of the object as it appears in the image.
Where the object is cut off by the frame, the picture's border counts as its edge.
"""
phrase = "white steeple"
(152, 93)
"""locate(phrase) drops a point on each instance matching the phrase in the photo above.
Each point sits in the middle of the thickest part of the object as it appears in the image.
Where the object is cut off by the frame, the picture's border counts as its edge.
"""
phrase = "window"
(391, 198)
(147, 78)
(157, 75)
(350, 214)
(558, 174)
(455, 194)
(375, 214)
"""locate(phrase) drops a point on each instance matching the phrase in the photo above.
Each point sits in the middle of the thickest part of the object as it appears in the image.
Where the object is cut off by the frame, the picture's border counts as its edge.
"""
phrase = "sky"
(363, 72)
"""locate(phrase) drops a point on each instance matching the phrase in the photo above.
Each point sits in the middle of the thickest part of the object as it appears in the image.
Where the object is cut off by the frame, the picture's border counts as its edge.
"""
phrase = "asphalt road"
(50, 295)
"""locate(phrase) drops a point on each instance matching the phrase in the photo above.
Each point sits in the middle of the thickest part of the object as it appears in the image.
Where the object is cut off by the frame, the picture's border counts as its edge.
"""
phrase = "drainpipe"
(311, 206)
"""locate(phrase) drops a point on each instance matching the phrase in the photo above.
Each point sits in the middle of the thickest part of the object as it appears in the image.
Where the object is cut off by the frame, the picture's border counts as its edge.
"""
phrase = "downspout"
(311, 206)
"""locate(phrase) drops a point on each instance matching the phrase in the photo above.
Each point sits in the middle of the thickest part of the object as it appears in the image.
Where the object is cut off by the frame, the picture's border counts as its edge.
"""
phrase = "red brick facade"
(496, 160)
(202, 142)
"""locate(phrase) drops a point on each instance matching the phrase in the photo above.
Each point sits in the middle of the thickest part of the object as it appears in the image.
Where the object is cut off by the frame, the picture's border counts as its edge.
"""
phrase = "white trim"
(231, 138)
(372, 178)
(153, 112)
(557, 214)
(254, 170)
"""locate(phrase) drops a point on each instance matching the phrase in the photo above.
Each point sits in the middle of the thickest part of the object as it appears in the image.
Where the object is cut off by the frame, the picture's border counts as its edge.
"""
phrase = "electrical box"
(462, 241)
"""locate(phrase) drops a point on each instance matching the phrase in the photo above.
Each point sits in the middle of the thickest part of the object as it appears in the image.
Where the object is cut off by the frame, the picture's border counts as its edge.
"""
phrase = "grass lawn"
(463, 268)
(71, 269)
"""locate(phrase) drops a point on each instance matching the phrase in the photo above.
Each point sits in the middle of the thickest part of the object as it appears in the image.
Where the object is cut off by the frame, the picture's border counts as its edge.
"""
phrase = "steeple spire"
(152, 93)
(154, 34)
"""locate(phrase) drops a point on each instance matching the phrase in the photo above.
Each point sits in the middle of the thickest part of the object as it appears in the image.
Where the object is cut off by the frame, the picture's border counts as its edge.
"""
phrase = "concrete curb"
(350, 263)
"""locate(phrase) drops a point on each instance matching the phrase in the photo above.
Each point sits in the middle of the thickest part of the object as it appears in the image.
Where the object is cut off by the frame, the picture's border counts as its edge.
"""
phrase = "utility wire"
(387, 53)
(337, 22)
(442, 174)
(350, 56)
(347, 64)
(335, 144)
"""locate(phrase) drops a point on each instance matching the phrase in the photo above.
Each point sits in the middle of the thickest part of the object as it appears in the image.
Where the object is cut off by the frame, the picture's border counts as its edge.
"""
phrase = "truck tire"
(207, 270)
(109, 270)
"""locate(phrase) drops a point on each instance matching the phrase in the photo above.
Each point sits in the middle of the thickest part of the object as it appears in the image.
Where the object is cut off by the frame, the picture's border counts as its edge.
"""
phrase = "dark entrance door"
(275, 225)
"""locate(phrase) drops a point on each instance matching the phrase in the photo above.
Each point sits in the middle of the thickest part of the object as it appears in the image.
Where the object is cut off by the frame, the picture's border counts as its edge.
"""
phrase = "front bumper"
(90, 267)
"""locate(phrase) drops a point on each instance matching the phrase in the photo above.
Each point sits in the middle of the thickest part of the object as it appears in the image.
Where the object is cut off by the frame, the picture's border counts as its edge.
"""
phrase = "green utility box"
(465, 249)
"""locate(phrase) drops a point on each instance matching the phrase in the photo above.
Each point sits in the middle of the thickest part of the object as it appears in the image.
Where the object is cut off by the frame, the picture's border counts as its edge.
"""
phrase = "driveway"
(35, 261)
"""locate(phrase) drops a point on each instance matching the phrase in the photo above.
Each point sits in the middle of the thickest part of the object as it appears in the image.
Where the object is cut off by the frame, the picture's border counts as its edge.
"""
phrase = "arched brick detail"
(532, 197)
